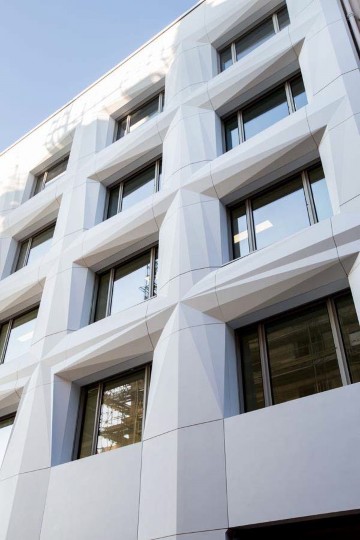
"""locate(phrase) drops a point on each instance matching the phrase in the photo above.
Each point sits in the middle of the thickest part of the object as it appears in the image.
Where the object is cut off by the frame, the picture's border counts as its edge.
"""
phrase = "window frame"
(248, 203)
(29, 240)
(40, 179)
(232, 44)
(146, 368)
(118, 121)
(10, 323)
(7, 417)
(112, 269)
(132, 176)
(238, 113)
(260, 328)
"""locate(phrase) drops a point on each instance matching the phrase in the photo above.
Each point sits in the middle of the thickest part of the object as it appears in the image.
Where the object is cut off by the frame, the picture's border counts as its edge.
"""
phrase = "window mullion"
(44, 180)
(146, 395)
(308, 198)
(339, 345)
(97, 419)
(276, 23)
(157, 176)
(250, 225)
(27, 254)
(127, 130)
(6, 341)
(161, 102)
(110, 292)
(289, 98)
(152, 272)
(265, 365)
(120, 199)
(241, 127)
(233, 53)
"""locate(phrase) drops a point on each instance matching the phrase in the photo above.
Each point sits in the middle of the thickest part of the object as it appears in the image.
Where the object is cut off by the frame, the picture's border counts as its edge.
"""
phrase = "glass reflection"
(283, 18)
(240, 232)
(40, 244)
(350, 331)
(131, 283)
(21, 334)
(251, 371)
(138, 188)
(121, 413)
(298, 92)
(279, 213)
(265, 113)
(232, 138)
(225, 59)
(144, 114)
(254, 38)
(87, 435)
(320, 194)
(302, 355)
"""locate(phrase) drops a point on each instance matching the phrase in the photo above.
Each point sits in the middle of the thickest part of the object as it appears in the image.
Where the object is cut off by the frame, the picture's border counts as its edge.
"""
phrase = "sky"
(51, 50)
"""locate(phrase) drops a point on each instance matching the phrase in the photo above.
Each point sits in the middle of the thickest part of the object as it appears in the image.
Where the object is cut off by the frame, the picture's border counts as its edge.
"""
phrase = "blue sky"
(52, 50)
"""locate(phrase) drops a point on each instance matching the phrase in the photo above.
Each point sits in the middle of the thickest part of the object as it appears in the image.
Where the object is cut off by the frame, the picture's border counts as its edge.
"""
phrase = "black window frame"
(146, 368)
(153, 257)
(232, 45)
(247, 201)
(40, 179)
(237, 115)
(133, 176)
(28, 241)
(260, 328)
(7, 417)
(10, 322)
(117, 134)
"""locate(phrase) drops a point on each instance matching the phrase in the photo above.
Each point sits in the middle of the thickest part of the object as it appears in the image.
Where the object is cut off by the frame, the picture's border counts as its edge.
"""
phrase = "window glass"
(350, 331)
(138, 188)
(283, 18)
(5, 432)
(57, 169)
(22, 255)
(121, 413)
(87, 435)
(113, 202)
(279, 213)
(265, 112)
(231, 133)
(40, 244)
(3, 333)
(21, 334)
(302, 355)
(240, 232)
(251, 371)
(254, 38)
(144, 114)
(298, 92)
(320, 194)
(225, 59)
(131, 283)
(102, 296)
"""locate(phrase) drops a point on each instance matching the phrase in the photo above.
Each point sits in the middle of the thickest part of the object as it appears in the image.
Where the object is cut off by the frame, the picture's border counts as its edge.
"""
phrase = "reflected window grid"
(41, 180)
(287, 106)
(124, 126)
(12, 328)
(113, 413)
(229, 55)
(104, 294)
(28, 247)
(116, 194)
(244, 227)
(297, 356)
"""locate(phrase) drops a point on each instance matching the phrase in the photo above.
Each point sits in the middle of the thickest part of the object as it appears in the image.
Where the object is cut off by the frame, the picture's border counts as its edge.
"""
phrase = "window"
(6, 424)
(113, 413)
(280, 211)
(300, 353)
(125, 285)
(16, 335)
(264, 112)
(255, 37)
(139, 116)
(134, 189)
(34, 247)
(43, 179)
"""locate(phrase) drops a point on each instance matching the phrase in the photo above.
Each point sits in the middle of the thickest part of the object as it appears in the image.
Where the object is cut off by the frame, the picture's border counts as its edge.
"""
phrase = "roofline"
(2, 152)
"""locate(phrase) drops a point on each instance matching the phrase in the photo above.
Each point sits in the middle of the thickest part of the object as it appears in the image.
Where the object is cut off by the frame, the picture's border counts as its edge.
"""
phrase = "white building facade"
(180, 284)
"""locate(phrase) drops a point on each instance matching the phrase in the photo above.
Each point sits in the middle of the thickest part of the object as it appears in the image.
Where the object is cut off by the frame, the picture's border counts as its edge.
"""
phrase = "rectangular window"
(113, 413)
(134, 189)
(125, 285)
(249, 41)
(6, 424)
(280, 211)
(300, 353)
(34, 247)
(139, 116)
(264, 112)
(43, 179)
(16, 335)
